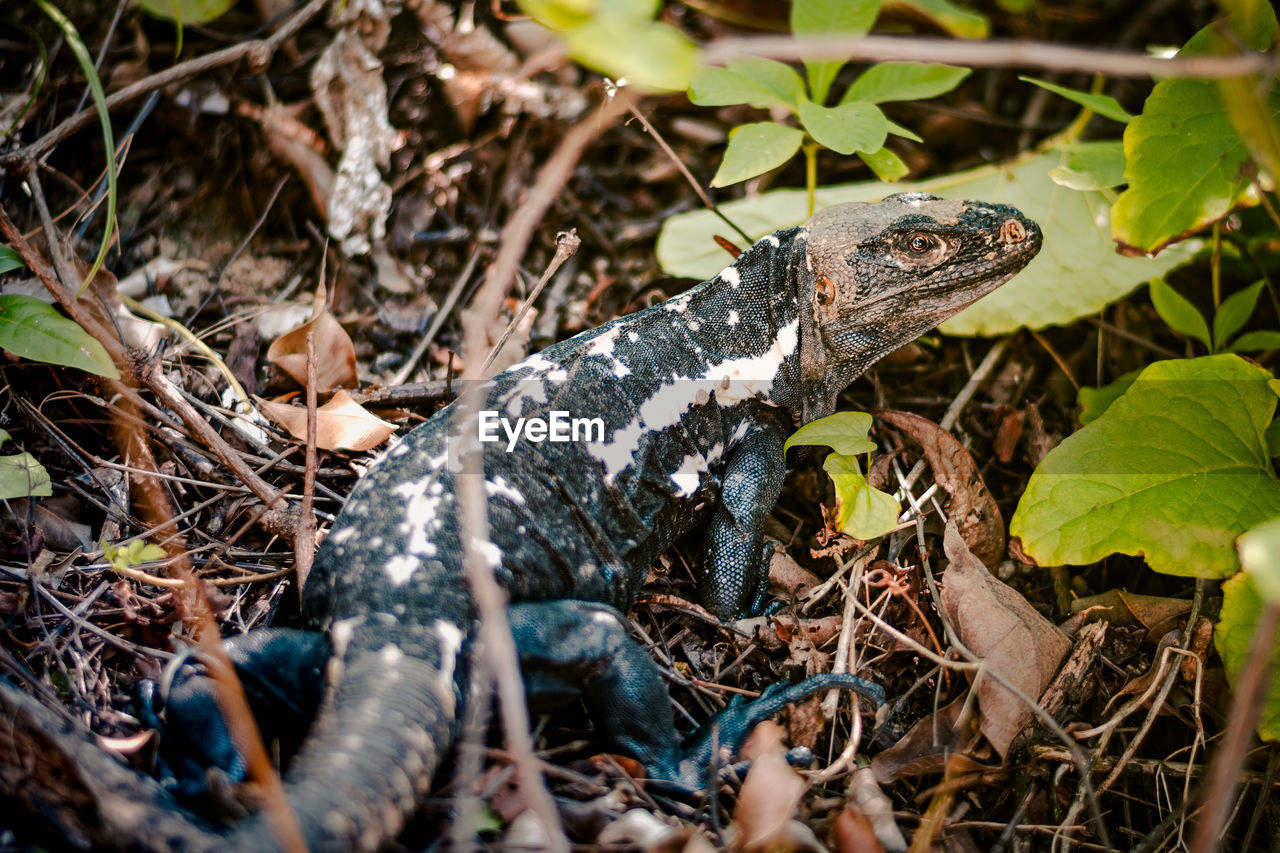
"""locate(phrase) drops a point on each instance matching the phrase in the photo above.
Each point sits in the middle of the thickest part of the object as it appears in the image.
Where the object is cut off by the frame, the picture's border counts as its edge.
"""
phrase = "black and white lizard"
(696, 396)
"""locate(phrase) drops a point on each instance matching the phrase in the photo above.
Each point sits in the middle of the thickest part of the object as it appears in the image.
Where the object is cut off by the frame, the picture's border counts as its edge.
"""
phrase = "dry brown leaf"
(866, 800)
(1008, 430)
(341, 423)
(1003, 629)
(335, 353)
(972, 506)
(854, 833)
(788, 577)
(297, 145)
(1121, 608)
(783, 629)
(923, 749)
(770, 793)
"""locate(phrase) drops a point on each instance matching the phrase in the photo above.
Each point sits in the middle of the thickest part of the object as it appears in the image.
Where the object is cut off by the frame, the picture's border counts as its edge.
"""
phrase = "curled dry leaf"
(972, 507)
(926, 748)
(770, 793)
(868, 810)
(788, 577)
(341, 423)
(1120, 608)
(1003, 629)
(335, 354)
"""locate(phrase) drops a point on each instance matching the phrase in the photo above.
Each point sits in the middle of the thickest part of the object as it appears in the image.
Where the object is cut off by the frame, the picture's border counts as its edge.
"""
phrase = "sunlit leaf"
(904, 81)
(1179, 313)
(847, 128)
(1103, 105)
(1232, 636)
(1091, 166)
(755, 149)
(1174, 470)
(35, 330)
(843, 432)
(186, 11)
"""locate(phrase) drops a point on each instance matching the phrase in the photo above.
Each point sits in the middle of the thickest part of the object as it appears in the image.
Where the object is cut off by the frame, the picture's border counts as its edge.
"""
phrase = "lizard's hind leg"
(580, 649)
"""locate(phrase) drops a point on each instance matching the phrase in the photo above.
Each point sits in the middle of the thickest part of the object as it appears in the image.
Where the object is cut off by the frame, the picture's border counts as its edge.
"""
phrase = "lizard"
(695, 397)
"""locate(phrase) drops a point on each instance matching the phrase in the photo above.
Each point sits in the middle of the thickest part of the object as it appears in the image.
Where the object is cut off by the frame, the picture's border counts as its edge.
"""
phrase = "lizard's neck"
(746, 323)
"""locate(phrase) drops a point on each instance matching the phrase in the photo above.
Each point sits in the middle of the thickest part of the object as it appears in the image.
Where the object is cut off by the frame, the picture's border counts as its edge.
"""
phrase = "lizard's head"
(881, 275)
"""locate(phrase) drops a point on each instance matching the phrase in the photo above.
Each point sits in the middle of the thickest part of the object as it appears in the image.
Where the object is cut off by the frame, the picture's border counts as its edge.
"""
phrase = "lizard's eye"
(919, 244)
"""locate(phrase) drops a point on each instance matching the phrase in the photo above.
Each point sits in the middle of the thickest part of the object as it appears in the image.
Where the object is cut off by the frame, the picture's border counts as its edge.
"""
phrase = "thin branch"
(988, 54)
(473, 522)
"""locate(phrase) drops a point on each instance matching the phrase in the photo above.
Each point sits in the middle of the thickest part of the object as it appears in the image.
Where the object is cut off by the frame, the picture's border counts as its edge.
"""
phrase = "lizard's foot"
(282, 672)
(730, 728)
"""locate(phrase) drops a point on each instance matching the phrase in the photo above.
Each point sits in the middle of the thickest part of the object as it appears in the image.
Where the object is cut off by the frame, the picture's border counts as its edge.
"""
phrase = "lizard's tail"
(357, 778)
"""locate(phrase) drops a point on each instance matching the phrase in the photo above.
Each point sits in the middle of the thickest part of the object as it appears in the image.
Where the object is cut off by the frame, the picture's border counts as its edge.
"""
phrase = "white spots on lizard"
(633, 337)
(400, 568)
(342, 535)
(678, 305)
(603, 345)
(772, 240)
(730, 276)
(341, 633)
(500, 487)
(390, 655)
(489, 552)
(450, 638)
(422, 500)
(536, 363)
(732, 319)
(732, 380)
(687, 477)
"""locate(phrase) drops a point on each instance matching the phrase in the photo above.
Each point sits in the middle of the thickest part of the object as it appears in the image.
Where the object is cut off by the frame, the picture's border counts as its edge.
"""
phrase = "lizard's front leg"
(735, 574)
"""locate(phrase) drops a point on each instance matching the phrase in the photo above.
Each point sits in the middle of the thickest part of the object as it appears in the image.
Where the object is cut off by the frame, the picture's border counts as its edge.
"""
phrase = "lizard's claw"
(732, 725)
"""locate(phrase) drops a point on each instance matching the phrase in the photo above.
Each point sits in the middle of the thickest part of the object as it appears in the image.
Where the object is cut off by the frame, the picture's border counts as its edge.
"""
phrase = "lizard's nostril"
(1012, 231)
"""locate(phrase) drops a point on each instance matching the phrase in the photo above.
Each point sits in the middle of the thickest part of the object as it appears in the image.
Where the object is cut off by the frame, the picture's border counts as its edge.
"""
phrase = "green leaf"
(830, 17)
(898, 130)
(956, 20)
(887, 166)
(1233, 635)
(843, 432)
(562, 15)
(22, 476)
(1234, 312)
(133, 553)
(1260, 557)
(845, 129)
(904, 81)
(1103, 105)
(862, 511)
(34, 330)
(1091, 166)
(755, 149)
(1183, 157)
(1178, 313)
(1094, 401)
(9, 260)
(758, 82)
(1273, 439)
(1173, 471)
(1256, 341)
(1076, 273)
(650, 56)
(186, 11)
